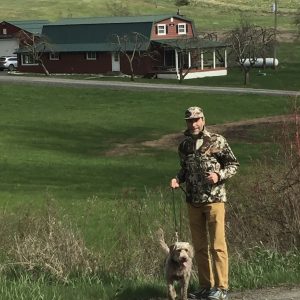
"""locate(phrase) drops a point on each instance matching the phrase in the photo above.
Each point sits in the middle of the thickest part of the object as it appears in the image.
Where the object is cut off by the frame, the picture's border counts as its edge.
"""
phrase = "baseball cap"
(193, 112)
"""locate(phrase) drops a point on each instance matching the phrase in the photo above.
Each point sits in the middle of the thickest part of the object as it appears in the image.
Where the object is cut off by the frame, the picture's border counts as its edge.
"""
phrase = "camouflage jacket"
(207, 152)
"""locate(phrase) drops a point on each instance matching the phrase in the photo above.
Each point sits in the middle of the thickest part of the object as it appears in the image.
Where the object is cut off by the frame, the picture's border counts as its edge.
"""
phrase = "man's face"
(195, 126)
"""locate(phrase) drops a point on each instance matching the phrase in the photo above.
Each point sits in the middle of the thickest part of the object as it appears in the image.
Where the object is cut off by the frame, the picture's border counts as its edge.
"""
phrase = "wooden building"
(9, 31)
(88, 46)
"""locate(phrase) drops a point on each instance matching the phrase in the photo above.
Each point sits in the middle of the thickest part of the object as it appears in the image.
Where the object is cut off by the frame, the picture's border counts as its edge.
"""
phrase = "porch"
(195, 60)
(193, 73)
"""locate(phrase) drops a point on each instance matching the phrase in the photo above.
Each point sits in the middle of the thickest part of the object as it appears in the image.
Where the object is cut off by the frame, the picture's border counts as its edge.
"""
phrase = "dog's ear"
(191, 251)
(172, 248)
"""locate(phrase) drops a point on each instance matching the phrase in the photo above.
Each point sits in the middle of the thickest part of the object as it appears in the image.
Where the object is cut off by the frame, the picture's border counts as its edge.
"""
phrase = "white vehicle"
(8, 62)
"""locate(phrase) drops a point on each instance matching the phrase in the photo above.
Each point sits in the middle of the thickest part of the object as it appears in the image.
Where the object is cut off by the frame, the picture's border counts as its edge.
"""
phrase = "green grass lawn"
(217, 15)
(55, 139)
(285, 77)
(53, 145)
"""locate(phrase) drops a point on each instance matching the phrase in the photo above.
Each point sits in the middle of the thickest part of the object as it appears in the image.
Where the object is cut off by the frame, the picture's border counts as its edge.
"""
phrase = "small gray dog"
(178, 266)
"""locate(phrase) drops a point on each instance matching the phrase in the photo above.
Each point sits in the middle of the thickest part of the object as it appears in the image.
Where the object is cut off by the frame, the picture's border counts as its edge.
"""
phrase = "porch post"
(176, 61)
(190, 59)
(214, 58)
(201, 58)
(225, 58)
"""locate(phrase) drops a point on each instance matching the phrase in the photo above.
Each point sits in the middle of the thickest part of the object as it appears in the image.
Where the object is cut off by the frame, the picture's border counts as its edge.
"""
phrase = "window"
(161, 29)
(54, 56)
(182, 28)
(28, 60)
(91, 56)
(4, 31)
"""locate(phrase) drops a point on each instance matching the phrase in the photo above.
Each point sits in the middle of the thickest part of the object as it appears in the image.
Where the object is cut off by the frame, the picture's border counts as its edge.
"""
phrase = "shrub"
(265, 209)
(44, 245)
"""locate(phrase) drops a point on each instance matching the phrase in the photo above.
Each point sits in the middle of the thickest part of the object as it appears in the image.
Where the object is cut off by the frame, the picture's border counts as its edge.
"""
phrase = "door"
(115, 61)
(169, 58)
(8, 47)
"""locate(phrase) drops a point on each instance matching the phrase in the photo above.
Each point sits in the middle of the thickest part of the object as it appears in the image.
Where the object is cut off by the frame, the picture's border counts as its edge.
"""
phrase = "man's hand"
(174, 183)
(212, 177)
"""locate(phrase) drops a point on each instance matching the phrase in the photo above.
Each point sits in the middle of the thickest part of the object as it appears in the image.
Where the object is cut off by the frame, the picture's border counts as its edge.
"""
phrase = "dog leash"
(174, 214)
(180, 215)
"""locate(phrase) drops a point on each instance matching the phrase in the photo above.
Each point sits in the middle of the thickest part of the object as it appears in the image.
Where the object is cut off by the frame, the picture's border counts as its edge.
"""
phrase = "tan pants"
(207, 224)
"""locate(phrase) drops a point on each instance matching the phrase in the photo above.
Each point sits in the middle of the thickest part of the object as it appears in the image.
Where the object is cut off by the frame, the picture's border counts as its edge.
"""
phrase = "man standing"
(206, 162)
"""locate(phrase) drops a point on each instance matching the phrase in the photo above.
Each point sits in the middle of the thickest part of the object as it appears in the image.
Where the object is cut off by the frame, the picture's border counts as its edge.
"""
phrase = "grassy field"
(56, 141)
(59, 184)
(53, 142)
(202, 12)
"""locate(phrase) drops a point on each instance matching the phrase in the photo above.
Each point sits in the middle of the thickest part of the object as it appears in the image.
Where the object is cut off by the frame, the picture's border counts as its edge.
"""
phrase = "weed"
(43, 245)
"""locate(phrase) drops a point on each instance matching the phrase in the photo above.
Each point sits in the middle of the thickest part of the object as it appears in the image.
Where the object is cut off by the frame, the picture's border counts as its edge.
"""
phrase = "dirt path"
(273, 293)
(171, 141)
(278, 293)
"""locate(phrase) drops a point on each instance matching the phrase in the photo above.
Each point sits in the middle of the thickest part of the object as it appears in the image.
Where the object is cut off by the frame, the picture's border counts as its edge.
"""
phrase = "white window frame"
(53, 56)
(91, 55)
(161, 29)
(25, 58)
(181, 28)
(4, 31)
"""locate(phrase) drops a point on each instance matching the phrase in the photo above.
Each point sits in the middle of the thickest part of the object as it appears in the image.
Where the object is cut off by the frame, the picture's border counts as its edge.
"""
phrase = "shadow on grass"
(143, 292)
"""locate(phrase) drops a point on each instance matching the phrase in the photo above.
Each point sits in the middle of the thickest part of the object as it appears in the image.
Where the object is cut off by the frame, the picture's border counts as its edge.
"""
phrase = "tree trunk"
(131, 72)
(247, 77)
(181, 77)
(46, 72)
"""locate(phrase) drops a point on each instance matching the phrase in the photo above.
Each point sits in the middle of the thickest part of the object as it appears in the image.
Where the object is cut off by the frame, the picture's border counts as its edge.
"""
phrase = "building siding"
(11, 30)
(71, 63)
(75, 63)
(171, 29)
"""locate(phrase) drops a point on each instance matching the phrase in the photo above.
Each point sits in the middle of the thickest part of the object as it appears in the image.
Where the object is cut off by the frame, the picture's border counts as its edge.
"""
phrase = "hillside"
(207, 14)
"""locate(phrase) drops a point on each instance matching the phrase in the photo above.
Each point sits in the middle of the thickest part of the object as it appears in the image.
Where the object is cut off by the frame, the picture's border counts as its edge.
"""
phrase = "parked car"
(8, 62)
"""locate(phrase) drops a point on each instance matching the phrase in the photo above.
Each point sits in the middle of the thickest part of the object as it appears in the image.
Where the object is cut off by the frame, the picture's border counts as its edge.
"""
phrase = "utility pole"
(275, 10)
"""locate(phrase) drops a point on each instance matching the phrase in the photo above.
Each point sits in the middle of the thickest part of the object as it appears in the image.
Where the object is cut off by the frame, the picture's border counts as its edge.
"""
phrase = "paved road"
(141, 86)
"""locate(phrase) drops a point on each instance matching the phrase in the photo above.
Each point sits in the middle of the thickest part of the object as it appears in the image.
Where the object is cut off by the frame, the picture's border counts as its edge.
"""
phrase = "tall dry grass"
(44, 245)
(265, 210)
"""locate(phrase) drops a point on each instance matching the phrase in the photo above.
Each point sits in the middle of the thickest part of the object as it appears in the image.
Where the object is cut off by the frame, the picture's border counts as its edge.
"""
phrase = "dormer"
(172, 28)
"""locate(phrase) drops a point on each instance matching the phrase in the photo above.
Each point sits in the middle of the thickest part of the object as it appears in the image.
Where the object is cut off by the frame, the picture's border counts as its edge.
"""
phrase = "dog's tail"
(161, 239)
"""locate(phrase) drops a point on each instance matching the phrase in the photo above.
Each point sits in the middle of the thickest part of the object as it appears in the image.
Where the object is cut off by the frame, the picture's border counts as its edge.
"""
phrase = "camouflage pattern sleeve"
(229, 163)
(182, 172)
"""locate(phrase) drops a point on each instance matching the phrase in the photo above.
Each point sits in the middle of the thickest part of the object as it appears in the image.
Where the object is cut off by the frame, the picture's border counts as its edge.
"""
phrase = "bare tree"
(248, 43)
(133, 46)
(118, 8)
(35, 47)
(184, 46)
(213, 36)
(268, 41)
